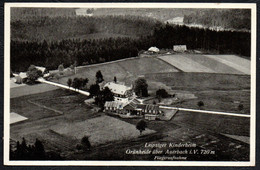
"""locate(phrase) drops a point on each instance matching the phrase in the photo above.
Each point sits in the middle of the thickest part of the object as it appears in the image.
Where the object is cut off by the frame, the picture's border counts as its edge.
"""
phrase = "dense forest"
(60, 28)
(52, 53)
(238, 19)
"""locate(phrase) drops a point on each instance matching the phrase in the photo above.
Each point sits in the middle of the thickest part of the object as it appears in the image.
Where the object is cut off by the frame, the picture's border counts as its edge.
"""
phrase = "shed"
(18, 80)
(21, 78)
(180, 48)
(153, 49)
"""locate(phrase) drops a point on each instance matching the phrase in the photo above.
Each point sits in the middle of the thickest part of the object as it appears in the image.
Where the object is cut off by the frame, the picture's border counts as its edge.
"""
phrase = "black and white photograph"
(130, 84)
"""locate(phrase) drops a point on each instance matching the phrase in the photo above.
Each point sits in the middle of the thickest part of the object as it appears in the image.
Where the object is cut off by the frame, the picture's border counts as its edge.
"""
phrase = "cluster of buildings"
(127, 105)
(22, 76)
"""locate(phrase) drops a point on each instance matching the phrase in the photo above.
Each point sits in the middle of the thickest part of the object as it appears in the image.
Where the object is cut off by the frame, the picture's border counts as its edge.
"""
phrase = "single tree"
(141, 125)
(103, 96)
(99, 77)
(76, 83)
(200, 104)
(61, 68)
(161, 93)
(85, 143)
(107, 94)
(240, 107)
(33, 74)
(69, 82)
(115, 80)
(81, 83)
(39, 151)
(94, 89)
(85, 81)
(140, 87)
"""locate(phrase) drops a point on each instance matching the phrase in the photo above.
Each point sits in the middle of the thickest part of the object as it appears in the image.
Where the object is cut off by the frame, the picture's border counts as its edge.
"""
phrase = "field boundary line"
(169, 64)
(45, 107)
(206, 111)
(109, 62)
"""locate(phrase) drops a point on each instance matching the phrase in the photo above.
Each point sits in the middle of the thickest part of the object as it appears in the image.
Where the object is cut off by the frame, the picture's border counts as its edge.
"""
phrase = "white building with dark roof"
(121, 92)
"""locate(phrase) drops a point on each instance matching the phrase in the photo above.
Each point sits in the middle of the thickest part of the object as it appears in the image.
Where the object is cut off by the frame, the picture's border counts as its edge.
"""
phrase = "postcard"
(130, 84)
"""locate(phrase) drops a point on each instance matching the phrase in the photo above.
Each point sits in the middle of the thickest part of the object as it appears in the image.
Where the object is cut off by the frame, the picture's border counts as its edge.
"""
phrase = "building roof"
(117, 88)
(23, 75)
(137, 106)
(115, 104)
(154, 49)
(40, 68)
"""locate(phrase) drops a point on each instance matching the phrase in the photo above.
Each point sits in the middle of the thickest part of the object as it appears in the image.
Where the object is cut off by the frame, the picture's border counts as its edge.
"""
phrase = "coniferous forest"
(49, 42)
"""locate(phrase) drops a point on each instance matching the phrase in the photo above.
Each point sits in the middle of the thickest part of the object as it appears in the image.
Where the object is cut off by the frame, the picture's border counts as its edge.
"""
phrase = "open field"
(219, 92)
(100, 130)
(126, 70)
(185, 64)
(14, 117)
(27, 90)
(215, 123)
(62, 132)
(201, 81)
(199, 129)
(238, 63)
(229, 64)
(217, 100)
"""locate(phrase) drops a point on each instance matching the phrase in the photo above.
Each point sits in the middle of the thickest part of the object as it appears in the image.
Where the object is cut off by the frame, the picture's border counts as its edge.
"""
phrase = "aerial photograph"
(130, 84)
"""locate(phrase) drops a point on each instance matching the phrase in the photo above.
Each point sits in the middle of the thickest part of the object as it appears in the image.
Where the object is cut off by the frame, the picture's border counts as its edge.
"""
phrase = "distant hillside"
(157, 13)
(237, 19)
(29, 13)
(59, 28)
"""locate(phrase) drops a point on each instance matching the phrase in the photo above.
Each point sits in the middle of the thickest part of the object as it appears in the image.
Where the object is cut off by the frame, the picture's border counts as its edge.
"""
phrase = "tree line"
(36, 151)
(52, 54)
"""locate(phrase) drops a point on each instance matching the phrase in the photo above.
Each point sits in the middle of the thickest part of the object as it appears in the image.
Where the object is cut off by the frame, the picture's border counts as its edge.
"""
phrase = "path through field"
(63, 86)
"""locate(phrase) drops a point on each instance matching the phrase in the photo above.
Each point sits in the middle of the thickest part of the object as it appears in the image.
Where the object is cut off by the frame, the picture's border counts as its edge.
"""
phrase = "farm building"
(133, 108)
(121, 92)
(20, 78)
(114, 106)
(84, 12)
(153, 49)
(176, 20)
(180, 48)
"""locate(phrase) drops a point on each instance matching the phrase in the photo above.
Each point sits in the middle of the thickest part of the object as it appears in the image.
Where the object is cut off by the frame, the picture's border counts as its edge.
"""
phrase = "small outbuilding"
(153, 49)
(180, 48)
(21, 78)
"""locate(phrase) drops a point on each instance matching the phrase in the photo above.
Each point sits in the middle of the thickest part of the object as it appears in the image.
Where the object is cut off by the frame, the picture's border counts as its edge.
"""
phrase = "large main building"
(126, 104)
